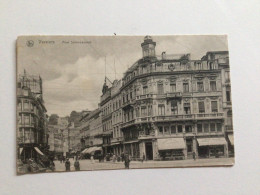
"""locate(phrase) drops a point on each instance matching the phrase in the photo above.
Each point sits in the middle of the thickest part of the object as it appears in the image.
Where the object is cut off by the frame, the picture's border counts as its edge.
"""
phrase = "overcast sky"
(73, 74)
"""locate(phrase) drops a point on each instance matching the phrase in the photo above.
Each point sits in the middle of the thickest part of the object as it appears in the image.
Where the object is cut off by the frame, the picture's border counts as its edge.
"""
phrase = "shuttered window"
(201, 107)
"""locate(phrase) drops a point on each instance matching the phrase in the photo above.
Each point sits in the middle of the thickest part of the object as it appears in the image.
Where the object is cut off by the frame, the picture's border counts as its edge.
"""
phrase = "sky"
(73, 68)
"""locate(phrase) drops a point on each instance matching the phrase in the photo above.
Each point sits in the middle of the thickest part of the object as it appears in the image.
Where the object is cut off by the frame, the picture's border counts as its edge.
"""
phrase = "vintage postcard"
(123, 102)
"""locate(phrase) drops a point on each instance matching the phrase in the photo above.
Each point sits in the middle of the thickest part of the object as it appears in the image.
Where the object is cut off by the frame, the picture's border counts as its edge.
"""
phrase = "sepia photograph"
(123, 102)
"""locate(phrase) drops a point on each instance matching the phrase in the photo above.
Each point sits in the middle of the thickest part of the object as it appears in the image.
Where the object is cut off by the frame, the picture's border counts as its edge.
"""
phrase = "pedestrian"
(123, 156)
(92, 159)
(194, 155)
(67, 165)
(143, 157)
(77, 165)
(114, 158)
(127, 161)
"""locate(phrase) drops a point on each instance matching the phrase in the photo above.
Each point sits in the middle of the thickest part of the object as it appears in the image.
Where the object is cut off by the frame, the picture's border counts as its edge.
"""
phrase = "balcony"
(210, 116)
(173, 117)
(174, 95)
(142, 97)
(223, 61)
(116, 139)
(128, 123)
(128, 103)
(146, 134)
(229, 128)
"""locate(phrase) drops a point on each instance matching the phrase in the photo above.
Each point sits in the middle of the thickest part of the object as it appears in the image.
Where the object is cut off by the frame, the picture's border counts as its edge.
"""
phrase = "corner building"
(172, 106)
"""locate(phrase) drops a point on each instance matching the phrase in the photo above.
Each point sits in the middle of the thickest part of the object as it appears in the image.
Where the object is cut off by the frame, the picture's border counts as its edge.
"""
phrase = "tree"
(53, 120)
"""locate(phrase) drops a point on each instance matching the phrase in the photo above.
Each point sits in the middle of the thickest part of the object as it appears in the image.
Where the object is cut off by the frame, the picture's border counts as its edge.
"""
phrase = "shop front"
(171, 148)
(231, 151)
(212, 147)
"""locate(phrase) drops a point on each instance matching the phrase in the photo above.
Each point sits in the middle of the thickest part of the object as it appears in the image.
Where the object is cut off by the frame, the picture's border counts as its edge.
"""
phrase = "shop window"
(172, 87)
(200, 86)
(206, 127)
(179, 128)
(186, 108)
(185, 87)
(214, 106)
(145, 90)
(161, 110)
(212, 127)
(173, 129)
(174, 108)
(160, 88)
(213, 86)
(219, 127)
(160, 129)
(199, 128)
(188, 128)
(166, 130)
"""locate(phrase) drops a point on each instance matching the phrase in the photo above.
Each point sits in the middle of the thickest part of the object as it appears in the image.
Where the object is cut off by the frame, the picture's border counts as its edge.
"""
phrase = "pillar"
(132, 151)
(195, 146)
(185, 150)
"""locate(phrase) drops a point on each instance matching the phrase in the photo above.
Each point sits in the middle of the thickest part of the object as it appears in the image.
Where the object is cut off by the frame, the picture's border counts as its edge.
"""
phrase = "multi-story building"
(106, 110)
(91, 130)
(174, 106)
(117, 135)
(32, 137)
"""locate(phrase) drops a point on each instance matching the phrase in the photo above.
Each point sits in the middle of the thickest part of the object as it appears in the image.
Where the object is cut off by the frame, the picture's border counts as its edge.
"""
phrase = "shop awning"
(231, 139)
(171, 143)
(37, 150)
(92, 149)
(211, 141)
(21, 150)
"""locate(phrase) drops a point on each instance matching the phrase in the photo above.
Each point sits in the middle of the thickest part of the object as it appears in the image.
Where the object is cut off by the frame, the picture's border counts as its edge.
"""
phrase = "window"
(219, 127)
(161, 110)
(186, 108)
(201, 107)
(188, 128)
(160, 88)
(143, 111)
(206, 127)
(179, 128)
(131, 95)
(160, 129)
(228, 96)
(212, 127)
(213, 86)
(185, 87)
(166, 130)
(174, 107)
(138, 112)
(20, 119)
(172, 87)
(200, 86)
(26, 119)
(199, 128)
(26, 105)
(150, 110)
(214, 106)
(145, 90)
(173, 129)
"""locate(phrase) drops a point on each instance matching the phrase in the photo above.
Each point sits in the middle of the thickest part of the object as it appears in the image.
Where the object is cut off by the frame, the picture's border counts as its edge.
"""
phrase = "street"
(87, 165)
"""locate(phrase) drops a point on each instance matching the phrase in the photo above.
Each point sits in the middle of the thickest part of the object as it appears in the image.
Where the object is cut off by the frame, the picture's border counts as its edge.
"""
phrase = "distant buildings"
(167, 107)
(32, 137)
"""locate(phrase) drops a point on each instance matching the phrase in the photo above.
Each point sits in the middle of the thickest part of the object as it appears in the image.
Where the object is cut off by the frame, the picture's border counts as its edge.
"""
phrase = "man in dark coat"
(77, 165)
(127, 161)
(194, 155)
(67, 165)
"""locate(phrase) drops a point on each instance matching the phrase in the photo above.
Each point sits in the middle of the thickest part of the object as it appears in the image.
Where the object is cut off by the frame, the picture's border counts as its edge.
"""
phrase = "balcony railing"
(173, 117)
(173, 94)
(211, 115)
(141, 97)
(229, 128)
(128, 123)
(116, 139)
(146, 134)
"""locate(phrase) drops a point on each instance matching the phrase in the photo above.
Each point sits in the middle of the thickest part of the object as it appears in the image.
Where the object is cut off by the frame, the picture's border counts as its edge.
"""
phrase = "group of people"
(76, 165)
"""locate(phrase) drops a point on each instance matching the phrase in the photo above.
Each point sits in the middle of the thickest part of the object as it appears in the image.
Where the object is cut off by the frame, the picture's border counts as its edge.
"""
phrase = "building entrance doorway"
(149, 150)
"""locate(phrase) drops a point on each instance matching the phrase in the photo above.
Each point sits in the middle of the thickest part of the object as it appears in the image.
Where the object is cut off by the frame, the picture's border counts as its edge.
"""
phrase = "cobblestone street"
(87, 165)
